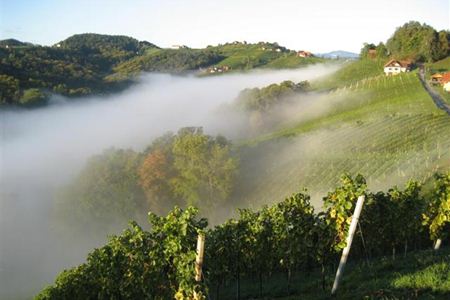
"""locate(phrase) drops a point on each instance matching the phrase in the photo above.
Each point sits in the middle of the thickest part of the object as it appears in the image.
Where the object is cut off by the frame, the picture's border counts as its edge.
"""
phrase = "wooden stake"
(199, 263)
(199, 258)
(346, 251)
(437, 245)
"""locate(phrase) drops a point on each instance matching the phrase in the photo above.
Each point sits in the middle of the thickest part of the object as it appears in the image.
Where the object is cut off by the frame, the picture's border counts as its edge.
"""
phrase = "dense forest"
(74, 67)
(264, 99)
(186, 168)
(413, 41)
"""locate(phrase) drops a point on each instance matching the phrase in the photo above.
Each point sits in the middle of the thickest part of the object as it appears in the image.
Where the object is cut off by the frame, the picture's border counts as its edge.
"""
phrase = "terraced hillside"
(386, 128)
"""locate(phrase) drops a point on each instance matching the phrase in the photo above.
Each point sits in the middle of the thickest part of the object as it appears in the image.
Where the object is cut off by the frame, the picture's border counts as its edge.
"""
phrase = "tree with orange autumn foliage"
(187, 168)
(154, 176)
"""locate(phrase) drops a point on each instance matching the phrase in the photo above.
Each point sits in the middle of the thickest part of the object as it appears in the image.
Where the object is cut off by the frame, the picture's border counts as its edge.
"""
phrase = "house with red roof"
(304, 54)
(445, 81)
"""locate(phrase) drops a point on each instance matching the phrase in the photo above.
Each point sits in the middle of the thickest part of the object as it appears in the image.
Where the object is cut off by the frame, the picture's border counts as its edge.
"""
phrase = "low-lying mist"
(43, 149)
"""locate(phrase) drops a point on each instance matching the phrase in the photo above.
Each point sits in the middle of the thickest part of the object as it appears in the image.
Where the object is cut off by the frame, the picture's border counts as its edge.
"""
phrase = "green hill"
(387, 128)
(103, 42)
(49, 69)
(89, 63)
(115, 48)
(13, 43)
(352, 72)
(419, 42)
(291, 60)
(166, 60)
(74, 67)
(236, 56)
(243, 56)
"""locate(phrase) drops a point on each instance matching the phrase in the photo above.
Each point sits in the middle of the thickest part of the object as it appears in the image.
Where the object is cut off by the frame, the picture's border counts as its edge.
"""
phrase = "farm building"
(218, 69)
(394, 66)
(436, 78)
(304, 54)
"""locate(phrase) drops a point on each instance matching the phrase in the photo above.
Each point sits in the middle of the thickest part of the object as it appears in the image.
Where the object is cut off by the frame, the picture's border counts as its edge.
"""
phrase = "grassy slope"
(387, 129)
(353, 72)
(419, 275)
(243, 57)
(247, 56)
(291, 60)
(442, 65)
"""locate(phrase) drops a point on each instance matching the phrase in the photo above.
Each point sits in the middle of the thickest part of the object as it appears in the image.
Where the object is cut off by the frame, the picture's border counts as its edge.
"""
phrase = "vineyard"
(287, 238)
(387, 128)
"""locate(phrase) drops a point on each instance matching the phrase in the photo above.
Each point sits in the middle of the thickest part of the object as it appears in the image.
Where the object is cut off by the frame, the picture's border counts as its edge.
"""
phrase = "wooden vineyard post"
(199, 262)
(199, 258)
(346, 251)
(437, 245)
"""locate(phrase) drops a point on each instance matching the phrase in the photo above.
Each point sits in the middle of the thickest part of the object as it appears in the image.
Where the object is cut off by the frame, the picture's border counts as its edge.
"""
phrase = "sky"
(317, 25)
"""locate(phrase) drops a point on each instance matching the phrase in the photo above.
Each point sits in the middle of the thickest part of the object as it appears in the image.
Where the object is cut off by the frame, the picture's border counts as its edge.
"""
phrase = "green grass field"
(419, 275)
(386, 128)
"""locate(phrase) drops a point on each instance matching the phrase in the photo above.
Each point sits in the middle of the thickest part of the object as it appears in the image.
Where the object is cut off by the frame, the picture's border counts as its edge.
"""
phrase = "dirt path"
(440, 103)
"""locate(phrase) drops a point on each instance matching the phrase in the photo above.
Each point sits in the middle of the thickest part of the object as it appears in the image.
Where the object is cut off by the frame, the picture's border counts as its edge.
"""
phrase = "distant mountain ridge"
(339, 54)
(13, 43)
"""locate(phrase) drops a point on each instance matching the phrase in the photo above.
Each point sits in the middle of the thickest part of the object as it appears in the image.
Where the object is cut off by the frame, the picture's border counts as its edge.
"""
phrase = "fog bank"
(43, 149)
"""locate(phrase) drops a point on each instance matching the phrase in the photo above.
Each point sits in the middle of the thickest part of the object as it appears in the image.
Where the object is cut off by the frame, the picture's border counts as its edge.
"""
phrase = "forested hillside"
(86, 64)
(76, 66)
(413, 41)
(419, 42)
(187, 168)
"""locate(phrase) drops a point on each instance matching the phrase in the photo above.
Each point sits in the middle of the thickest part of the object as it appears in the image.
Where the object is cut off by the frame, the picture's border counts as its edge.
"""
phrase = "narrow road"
(440, 103)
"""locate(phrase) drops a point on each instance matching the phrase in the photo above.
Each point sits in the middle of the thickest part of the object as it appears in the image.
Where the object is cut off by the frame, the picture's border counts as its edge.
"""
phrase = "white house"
(394, 67)
(447, 86)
